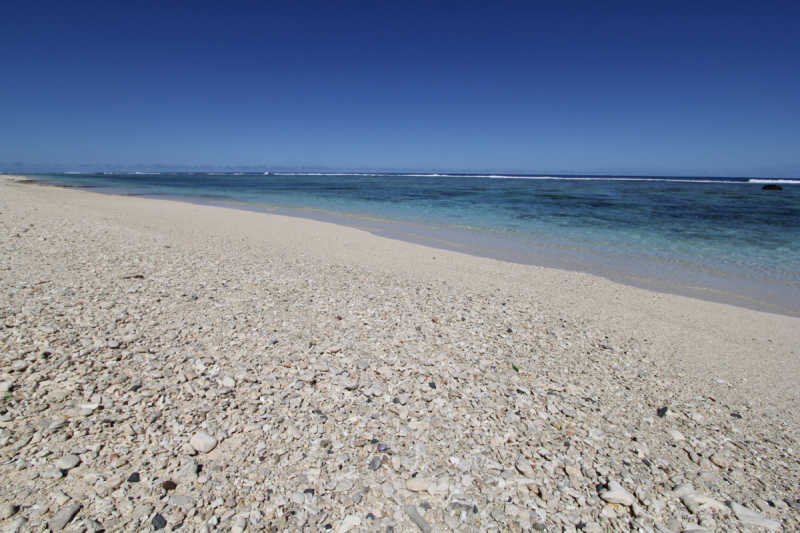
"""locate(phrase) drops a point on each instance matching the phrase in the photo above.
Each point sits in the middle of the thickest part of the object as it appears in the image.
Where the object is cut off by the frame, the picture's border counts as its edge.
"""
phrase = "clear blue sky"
(683, 88)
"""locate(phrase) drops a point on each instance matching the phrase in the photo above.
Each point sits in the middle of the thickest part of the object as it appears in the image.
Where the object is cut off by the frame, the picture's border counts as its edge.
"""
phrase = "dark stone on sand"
(64, 516)
(159, 522)
(792, 503)
(375, 463)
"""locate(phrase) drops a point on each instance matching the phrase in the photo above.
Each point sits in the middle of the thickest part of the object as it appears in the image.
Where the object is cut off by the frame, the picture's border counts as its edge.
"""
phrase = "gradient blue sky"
(680, 88)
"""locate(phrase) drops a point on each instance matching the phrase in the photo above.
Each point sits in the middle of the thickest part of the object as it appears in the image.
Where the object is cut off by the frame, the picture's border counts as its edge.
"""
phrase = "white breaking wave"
(742, 181)
(511, 177)
(610, 178)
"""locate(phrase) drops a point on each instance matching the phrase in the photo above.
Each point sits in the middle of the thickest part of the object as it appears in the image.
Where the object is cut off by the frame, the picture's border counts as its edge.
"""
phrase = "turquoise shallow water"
(724, 240)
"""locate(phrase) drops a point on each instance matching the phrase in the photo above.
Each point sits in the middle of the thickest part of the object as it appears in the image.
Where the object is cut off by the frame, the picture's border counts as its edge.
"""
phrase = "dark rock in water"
(771, 187)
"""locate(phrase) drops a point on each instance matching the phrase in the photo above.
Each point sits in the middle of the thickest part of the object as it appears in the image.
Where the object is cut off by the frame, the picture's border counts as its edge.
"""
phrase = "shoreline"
(588, 294)
(578, 260)
(518, 392)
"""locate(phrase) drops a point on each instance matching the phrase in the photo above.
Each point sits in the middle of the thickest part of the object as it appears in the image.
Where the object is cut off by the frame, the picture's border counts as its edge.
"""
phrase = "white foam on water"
(516, 177)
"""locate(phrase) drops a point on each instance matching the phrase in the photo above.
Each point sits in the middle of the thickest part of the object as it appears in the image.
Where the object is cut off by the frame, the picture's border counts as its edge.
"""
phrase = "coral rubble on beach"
(154, 383)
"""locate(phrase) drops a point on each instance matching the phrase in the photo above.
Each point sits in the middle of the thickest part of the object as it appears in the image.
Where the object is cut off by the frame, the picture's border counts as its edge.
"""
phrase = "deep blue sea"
(721, 239)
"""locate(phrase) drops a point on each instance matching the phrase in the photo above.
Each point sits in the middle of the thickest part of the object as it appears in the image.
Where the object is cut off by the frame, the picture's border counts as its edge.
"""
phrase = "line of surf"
(782, 181)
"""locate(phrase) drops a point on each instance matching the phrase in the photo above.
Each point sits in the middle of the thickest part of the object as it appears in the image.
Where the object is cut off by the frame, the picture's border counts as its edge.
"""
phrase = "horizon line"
(551, 175)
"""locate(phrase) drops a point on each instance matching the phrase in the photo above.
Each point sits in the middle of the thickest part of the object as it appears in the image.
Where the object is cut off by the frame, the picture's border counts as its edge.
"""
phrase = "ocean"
(723, 240)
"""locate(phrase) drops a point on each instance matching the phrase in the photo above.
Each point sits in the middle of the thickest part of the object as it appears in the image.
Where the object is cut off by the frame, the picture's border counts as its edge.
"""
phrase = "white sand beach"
(495, 396)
